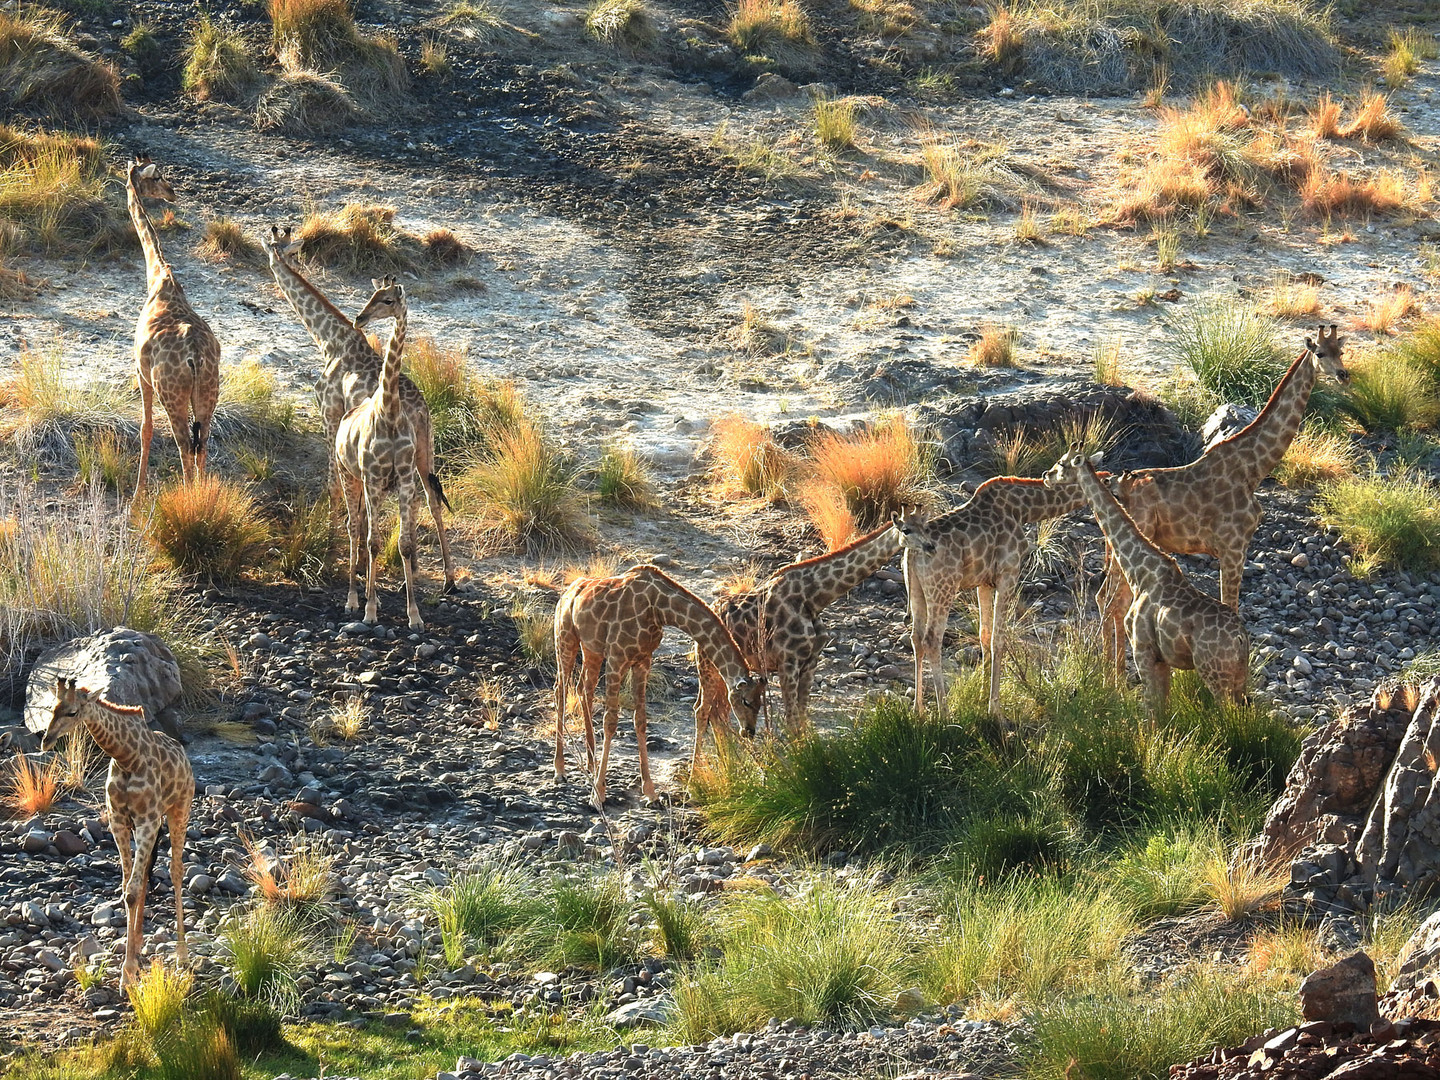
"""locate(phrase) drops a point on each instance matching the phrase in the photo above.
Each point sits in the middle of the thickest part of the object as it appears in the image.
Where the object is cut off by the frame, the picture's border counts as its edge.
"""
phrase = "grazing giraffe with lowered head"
(150, 783)
(617, 623)
(177, 357)
(352, 373)
(1170, 623)
(376, 451)
(777, 623)
(1208, 507)
(980, 544)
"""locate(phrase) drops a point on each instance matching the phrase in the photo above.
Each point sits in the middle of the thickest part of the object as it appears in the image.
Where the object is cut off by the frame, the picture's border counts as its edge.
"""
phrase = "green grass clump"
(1229, 349)
(682, 928)
(622, 478)
(1122, 1035)
(1388, 394)
(1390, 521)
(1164, 872)
(832, 956)
(53, 193)
(264, 949)
(835, 122)
(468, 413)
(1419, 349)
(581, 922)
(479, 908)
(219, 65)
(524, 492)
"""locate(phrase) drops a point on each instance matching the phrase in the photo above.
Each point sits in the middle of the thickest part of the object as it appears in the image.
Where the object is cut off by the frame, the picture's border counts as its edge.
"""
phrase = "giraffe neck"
(831, 576)
(1258, 448)
(117, 730)
(155, 267)
(1030, 500)
(390, 371)
(1141, 561)
(685, 611)
(333, 333)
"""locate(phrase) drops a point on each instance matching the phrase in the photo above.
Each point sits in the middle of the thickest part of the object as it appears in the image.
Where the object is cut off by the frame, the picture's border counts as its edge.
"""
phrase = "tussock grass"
(1325, 117)
(302, 882)
(1229, 349)
(41, 69)
(306, 103)
(828, 511)
(1288, 949)
(1166, 871)
(682, 927)
(622, 478)
(467, 412)
(1373, 121)
(835, 122)
(1317, 456)
(995, 347)
(253, 407)
(219, 64)
(1241, 886)
(627, 25)
(887, 18)
(357, 239)
(225, 238)
(53, 195)
(479, 908)
(1023, 452)
(1025, 939)
(1388, 309)
(1291, 298)
(966, 175)
(1117, 1035)
(264, 949)
(832, 956)
(158, 999)
(307, 539)
(581, 921)
(1401, 60)
(746, 455)
(755, 335)
(523, 492)
(778, 29)
(212, 528)
(106, 459)
(321, 36)
(534, 627)
(1419, 349)
(46, 409)
(1105, 363)
(1326, 194)
(30, 790)
(877, 472)
(1388, 520)
(444, 248)
(435, 59)
(1387, 395)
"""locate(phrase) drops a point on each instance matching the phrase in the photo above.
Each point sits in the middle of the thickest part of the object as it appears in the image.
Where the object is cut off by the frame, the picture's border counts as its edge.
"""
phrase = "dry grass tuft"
(31, 790)
(876, 473)
(1402, 56)
(996, 346)
(357, 238)
(1325, 117)
(305, 879)
(53, 196)
(1390, 308)
(1316, 456)
(219, 65)
(225, 239)
(1243, 886)
(828, 511)
(773, 28)
(444, 248)
(747, 455)
(622, 478)
(835, 122)
(306, 103)
(755, 335)
(523, 492)
(1292, 298)
(313, 36)
(627, 25)
(1327, 194)
(1002, 40)
(211, 527)
(1373, 121)
(41, 69)
(1288, 949)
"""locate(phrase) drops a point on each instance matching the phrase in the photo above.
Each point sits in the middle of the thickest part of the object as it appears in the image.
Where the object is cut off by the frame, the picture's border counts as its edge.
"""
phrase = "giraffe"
(617, 622)
(982, 545)
(176, 354)
(376, 452)
(1170, 623)
(1208, 507)
(777, 623)
(352, 372)
(150, 780)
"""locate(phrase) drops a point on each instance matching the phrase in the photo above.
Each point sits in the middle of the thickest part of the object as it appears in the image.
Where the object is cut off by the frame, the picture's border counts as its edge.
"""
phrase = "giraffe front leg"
(178, 822)
(999, 607)
(373, 544)
(614, 674)
(407, 557)
(147, 432)
(357, 529)
(589, 679)
(147, 834)
(639, 682)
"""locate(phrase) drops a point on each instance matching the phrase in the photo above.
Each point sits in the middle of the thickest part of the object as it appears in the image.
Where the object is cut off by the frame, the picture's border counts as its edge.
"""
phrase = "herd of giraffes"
(381, 441)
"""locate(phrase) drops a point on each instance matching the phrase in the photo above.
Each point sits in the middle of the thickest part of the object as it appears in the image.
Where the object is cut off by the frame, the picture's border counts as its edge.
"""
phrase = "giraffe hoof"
(451, 586)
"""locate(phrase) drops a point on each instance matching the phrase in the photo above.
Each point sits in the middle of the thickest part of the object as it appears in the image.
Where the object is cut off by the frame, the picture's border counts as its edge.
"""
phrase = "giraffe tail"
(433, 483)
(196, 442)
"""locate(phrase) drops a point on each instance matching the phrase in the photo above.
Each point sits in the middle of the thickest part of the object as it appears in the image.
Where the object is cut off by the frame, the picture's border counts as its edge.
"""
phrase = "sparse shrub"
(1165, 872)
(773, 28)
(264, 949)
(835, 122)
(358, 239)
(878, 472)
(225, 239)
(31, 790)
(624, 24)
(622, 477)
(833, 956)
(1386, 395)
(41, 69)
(995, 347)
(1316, 456)
(435, 59)
(748, 455)
(1115, 1035)
(218, 63)
(444, 248)
(524, 491)
(479, 908)
(306, 103)
(1230, 350)
(211, 528)
(1389, 521)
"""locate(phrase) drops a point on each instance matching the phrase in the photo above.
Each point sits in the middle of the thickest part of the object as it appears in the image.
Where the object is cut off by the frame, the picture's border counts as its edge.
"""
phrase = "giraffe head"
(745, 697)
(282, 245)
(387, 302)
(1329, 353)
(910, 524)
(69, 702)
(1066, 472)
(149, 184)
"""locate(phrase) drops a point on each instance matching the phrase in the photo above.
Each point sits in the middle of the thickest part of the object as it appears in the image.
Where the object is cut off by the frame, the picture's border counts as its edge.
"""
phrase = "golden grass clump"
(747, 456)
(1242, 885)
(1373, 122)
(1325, 193)
(835, 122)
(1002, 39)
(828, 511)
(219, 65)
(31, 790)
(877, 472)
(1325, 117)
(627, 25)
(225, 238)
(305, 879)
(622, 478)
(1293, 298)
(444, 248)
(995, 347)
(41, 69)
(1316, 456)
(212, 528)
(53, 193)
(306, 103)
(1390, 308)
(523, 492)
(358, 238)
(773, 28)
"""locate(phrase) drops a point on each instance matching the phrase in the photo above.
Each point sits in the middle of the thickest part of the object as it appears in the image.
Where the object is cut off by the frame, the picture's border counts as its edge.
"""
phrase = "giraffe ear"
(149, 171)
(1096, 457)
(1310, 345)
(377, 283)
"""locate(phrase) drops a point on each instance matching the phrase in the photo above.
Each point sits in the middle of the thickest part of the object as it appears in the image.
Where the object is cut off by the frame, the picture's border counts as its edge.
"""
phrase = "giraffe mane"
(115, 706)
(1270, 405)
(827, 556)
(1120, 506)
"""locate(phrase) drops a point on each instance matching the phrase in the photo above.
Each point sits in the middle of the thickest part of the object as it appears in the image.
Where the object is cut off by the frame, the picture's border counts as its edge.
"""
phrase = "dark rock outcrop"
(128, 666)
(1408, 1048)
(1343, 993)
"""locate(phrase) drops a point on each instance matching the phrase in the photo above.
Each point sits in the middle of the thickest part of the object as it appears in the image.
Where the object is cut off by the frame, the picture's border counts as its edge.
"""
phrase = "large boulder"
(1343, 993)
(1229, 419)
(1415, 990)
(128, 666)
(1399, 848)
